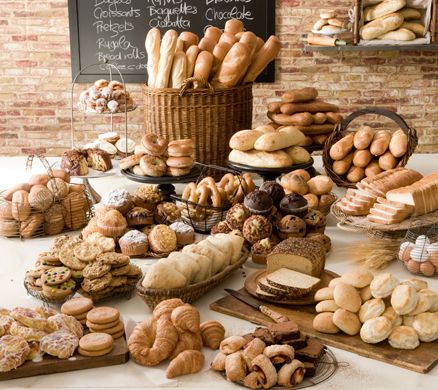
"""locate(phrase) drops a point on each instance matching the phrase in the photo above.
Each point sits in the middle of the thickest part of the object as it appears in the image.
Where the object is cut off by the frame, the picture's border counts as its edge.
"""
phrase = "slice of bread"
(295, 283)
(263, 285)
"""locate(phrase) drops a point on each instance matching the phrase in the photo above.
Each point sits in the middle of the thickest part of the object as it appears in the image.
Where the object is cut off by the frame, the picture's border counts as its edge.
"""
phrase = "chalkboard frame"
(268, 76)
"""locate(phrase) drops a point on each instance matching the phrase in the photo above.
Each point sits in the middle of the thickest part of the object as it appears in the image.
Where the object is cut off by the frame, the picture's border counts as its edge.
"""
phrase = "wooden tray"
(52, 365)
(361, 224)
(251, 287)
(422, 359)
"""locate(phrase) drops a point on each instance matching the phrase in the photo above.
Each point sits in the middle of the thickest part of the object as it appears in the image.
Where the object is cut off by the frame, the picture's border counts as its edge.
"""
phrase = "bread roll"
(234, 66)
(234, 26)
(319, 139)
(373, 169)
(355, 174)
(319, 24)
(179, 69)
(399, 144)
(189, 39)
(341, 148)
(283, 138)
(347, 297)
(203, 65)
(153, 51)
(347, 321)
(401, 34)
(380, 142)
(319, 118)
(301, 118)
(335, 22)
(192, 54)
(244, 140)
(363, 137)
(320, 185)
(410, 13)
(341, 167)
(300, 95)
(260, 159)
(219, 53)
(417, 28)
(323, 322)
(384, 8)
(298, 154)
(381, 26)
(207, 44)
(213, 33)
(167, 52)
(228, 38)
(264, 56)
(361, 158)
(387, 161)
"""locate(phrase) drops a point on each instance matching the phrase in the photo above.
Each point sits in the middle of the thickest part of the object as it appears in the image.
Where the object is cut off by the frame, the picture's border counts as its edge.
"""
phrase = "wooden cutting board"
(422, 359)
(52, 365)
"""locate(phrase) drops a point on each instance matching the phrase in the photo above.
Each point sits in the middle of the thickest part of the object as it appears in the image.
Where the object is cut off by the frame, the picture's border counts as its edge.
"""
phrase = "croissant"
(254, 348)
(218, 363)
(254, 380)
(280, 354)
(186, 317)
(150, 354)
(291, 374)
(166, 307)
(262, 364)
(232, 344)
(187, 362)
(186, 341)
(212, 333)
(235, 367)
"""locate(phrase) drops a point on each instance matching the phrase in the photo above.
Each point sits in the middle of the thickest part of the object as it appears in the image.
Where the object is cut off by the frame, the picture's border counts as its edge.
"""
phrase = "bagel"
(152, 166)
(177, 172)
(180, 162)
(154, 145)
(181, 148)
(130, 161)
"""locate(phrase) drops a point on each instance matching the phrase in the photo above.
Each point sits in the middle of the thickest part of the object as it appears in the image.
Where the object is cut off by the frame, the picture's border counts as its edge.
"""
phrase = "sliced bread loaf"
(295, 283)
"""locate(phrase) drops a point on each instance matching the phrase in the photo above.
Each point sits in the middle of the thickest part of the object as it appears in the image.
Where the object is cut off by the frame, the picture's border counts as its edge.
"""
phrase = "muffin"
(185, 234)
(322, 239)
(167, 213)
(139, 216)
(261, 249)
(90, 228)
(236, 216)
(274, 190)
(221, 227)
(315, 221)
(112, 224)
(118, 199)
(258, 203)
(294, 204)
(147, 196)
(162, 239)
(291, 226)
(256, 228)
(134, 243)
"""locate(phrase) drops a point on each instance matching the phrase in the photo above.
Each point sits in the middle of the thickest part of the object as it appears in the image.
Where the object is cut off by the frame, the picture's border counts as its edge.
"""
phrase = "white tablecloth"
(358, 372)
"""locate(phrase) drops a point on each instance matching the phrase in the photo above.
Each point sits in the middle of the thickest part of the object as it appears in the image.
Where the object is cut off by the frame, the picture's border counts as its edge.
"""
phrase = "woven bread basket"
(342, 129)
(208, 116)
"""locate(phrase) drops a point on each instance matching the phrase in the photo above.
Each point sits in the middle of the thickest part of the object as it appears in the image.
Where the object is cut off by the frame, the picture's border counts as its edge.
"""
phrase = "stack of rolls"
(225, 58)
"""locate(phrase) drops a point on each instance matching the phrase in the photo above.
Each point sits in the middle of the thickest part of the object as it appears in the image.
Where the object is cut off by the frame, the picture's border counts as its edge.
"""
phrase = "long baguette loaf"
(228, 38)
(250, 39)
(260, 159)
(152, 45)
(167, 52)
(265, 55)
(207, 44)
(316, 129)
(384, 8)
(213, 33)
(401, 34)
(312, 107)
(417, 28)
(192, 55)
(281, 139)
(381, 26)
(234, 66)
(410, 13)
(219, 52)
(203, 66)
(179, 69)
(300, 95)
(189, 39)
(234, 26)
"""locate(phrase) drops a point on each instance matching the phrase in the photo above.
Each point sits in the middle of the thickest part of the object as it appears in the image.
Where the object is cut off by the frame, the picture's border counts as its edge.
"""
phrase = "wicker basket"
(189, 294)
(209, 117)
(342, 129)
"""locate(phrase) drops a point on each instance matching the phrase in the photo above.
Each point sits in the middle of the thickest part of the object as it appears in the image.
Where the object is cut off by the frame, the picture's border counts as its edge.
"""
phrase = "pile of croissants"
(174, 332)
(225, 58)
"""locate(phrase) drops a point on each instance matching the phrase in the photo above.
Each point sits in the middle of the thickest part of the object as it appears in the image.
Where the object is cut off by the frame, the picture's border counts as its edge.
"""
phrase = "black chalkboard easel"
(116, 29)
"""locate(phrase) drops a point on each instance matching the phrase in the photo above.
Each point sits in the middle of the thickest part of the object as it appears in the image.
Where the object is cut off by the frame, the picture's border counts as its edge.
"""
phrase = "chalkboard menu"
(115, 30)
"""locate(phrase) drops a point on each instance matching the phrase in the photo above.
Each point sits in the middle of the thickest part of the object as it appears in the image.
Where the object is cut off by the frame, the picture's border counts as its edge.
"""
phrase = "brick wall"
(35, 77)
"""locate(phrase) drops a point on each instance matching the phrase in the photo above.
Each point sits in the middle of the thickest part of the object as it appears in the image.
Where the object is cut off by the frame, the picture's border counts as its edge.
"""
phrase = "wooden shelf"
(328, 49)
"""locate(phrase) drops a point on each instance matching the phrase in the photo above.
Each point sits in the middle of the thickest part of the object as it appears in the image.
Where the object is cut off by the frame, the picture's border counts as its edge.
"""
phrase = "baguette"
(417, 28)
(341, 167)
(189, 39)
(410, 13)
(264, 56)
(312, 107)
(275, 107)
(213, 33)
(384, 8)
(152, 45)
(361, 158)
(260, 159)
(302, 118)
(341, 148)
(387, 161)
(219, 52)
(206, 44)
(373, 169)
(363, 137)
(192, 54)
(381, 26)
(319, 139)
(239, 35)
(316, 129)
(228, 38)
(380, 142)
(401, 34)
(234, 26)
(319, 118)
(334, 118)
(306, 142)
(179, 69)
(355, 174)
(179, 45)
(234, 66)
(300, 95)
(399, 144)
(281, 139)
(203, 66)
(259, 45)
(167, 52)
(266, 128)
(250, 39)
(244, 140)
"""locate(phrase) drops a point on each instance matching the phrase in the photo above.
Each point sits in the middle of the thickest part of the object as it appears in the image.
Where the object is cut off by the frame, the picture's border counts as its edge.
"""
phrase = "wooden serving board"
(422, 359)
(52, 365)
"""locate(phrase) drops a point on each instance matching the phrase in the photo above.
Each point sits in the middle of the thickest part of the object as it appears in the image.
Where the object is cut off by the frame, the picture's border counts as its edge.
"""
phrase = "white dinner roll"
(375, 330)
(425, 299)
(417, 283)
(365, 293)
(347, 297)
(392, 316)
(358, 278)
(323, 322)
(328, 305)
(426, 326)
(324, 294)
(403, 337)
(404, 298)
(408, 320)
(434, 307)
(334, 282)
(347, 321)
(383, 285)
(371, 309)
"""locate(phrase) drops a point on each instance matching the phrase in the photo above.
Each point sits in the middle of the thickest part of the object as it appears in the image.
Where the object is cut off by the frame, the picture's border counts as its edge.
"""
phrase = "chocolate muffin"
(258, 203)
(256, 228)
(291, 226)
(274, 190)
(294, 204)
(167, 213)
(237, 215)
(315, 221)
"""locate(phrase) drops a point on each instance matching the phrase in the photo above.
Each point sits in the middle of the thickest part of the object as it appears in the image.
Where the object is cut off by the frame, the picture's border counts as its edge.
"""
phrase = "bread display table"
(365, 373)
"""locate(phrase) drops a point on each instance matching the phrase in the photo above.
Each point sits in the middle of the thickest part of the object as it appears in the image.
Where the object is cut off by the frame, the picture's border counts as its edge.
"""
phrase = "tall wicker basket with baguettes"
(206, 115)
(342, 130)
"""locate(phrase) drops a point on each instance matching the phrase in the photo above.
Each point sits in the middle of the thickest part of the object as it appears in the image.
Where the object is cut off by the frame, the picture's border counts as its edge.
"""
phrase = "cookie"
(95, 270)
(81, 317)
(118, 335)
(102, 327)
(120, 271)
(77, 306)
(98, 284)
(55, 276)
(67, 257)
(113, 330)
(61, 344)
(114, 259)
(106, 244)
(29, 318)
(87, 251)
(48, 257)
(60, 291)
(134, 271)
(95, 342)
(36, 272)
(118, 281)
(38, 282)
(102, 352)
(76, 274)
(103, 315)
